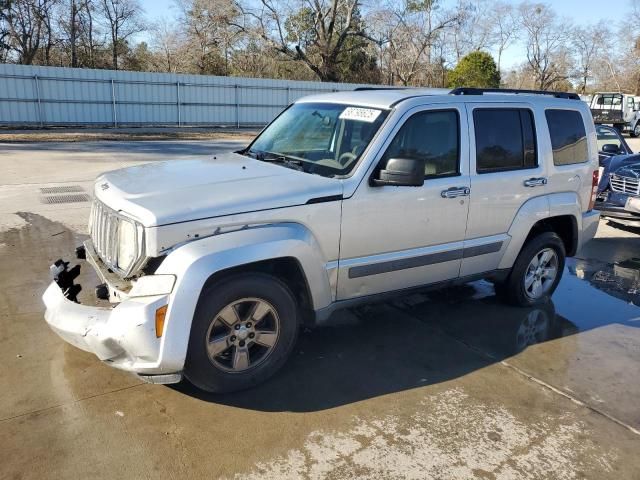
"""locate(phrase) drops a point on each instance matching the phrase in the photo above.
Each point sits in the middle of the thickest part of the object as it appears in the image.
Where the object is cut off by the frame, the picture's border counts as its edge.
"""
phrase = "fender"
(193, 263)
(534, 210)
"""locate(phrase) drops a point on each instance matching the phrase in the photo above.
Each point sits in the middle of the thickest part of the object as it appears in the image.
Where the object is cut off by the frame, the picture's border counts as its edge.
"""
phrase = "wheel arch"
(288, 251)
(565, 226)
(557, 212)
(286, 269)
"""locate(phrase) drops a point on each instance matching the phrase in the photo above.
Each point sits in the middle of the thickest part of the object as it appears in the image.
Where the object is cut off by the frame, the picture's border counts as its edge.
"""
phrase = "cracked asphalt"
(445, 385)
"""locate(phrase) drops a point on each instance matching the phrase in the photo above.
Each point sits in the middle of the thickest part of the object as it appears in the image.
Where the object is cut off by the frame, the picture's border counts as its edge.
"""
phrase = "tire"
(519, 289)
(233, 343)
(635, 132)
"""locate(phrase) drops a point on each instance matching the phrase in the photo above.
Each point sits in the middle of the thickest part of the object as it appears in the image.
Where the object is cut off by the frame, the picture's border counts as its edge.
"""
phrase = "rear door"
(506, 172)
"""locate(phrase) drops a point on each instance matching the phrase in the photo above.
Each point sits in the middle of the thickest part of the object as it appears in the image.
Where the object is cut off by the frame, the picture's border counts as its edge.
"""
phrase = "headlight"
(118, 240)
(128, 244)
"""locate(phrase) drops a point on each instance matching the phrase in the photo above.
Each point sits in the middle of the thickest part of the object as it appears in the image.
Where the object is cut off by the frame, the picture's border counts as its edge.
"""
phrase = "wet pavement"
(449, 384)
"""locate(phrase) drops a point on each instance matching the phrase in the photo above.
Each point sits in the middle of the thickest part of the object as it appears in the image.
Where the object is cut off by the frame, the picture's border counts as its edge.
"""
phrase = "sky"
(582, 12)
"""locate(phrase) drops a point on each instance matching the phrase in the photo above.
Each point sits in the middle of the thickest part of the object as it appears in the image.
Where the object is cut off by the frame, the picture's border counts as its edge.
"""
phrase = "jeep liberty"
(212, 265)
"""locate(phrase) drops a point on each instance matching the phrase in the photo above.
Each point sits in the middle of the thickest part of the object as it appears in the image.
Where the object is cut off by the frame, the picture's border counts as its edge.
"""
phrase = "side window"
(568, 137)
(432, 136)
(607, 135)
(505, 139)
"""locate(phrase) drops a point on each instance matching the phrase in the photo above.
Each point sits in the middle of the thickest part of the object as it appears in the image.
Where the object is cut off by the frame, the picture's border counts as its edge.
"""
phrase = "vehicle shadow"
(387, 348)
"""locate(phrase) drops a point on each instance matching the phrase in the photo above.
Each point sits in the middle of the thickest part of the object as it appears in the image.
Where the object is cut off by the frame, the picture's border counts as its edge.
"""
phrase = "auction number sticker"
(358, 114)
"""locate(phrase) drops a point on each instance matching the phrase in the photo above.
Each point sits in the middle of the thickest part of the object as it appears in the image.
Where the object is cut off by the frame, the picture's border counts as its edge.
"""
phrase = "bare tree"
(4, 30)
(73, 31)
(28, 27)
(318, 33)
(88, 40)
(170, 46)
(473, 29)
(588, 43)
(407, 35)
(545, 38)
(210, 31)
(505, 29)
(123, 19)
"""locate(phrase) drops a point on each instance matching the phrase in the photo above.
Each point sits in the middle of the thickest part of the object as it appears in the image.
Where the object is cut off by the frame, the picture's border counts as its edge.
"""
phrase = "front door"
(399, 237)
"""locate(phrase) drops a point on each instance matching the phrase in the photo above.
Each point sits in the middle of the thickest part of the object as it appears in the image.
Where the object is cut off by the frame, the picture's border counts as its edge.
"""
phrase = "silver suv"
(213, 265)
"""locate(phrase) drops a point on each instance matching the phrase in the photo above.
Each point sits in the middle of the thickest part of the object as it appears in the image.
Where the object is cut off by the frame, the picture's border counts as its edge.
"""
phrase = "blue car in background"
(619, 187)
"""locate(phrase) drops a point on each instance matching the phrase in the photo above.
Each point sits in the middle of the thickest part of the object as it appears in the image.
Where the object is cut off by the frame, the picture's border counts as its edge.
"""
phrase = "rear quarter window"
(568, 137)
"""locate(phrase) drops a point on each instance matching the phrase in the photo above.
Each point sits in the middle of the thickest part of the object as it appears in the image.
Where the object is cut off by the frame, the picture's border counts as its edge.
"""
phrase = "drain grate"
(67, 189)
(69, 198)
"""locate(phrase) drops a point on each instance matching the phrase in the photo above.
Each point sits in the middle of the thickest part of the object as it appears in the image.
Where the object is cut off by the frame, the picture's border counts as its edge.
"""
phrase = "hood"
(183, 190)
(630, 171)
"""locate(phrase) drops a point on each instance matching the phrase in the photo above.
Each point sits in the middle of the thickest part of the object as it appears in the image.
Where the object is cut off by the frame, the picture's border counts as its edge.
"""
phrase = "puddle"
(620, 280)
(25, 255)
(412, 342)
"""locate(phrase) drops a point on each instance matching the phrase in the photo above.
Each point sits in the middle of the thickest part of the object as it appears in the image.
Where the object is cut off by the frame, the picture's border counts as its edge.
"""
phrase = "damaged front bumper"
(124, 335)
(620, 208)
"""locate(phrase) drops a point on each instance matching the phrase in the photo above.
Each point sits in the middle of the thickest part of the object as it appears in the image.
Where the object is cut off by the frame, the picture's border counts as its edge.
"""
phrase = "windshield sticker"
(368, 115)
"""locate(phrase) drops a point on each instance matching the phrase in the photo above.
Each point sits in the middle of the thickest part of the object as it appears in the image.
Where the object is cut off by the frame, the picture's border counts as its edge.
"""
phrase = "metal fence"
(53, 96)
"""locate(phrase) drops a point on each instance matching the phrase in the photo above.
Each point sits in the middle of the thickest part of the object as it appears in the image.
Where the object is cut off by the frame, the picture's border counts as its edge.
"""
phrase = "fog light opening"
(160, 315)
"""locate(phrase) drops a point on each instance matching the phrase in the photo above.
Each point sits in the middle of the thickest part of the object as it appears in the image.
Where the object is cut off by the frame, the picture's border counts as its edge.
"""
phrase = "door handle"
(535, 182)
(455, 192)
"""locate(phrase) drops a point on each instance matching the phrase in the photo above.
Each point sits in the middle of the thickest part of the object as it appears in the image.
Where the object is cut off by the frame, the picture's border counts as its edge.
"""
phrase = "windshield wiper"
(279, 158)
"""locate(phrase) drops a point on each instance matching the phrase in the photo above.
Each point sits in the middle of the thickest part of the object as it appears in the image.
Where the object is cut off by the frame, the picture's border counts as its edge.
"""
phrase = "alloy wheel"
(541, 273)
(242, 335)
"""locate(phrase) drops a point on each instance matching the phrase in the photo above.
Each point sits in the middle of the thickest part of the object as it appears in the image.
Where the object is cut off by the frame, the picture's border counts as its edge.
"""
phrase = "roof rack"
(360, 89)
(481, 91)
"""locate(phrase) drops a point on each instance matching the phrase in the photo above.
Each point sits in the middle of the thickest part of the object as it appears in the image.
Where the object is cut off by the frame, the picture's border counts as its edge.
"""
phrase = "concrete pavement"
(449, 384)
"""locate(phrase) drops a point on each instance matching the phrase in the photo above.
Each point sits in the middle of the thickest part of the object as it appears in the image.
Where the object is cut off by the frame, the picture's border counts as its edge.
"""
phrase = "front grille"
(628, 185)
(103, 226)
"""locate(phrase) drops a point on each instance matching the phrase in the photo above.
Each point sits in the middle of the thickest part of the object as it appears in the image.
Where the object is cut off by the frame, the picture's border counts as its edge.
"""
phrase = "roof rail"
(481, 91)
(360, 89)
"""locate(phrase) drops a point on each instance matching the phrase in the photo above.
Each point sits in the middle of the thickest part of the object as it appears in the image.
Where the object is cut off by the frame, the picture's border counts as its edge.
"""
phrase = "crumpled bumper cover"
(124, 335)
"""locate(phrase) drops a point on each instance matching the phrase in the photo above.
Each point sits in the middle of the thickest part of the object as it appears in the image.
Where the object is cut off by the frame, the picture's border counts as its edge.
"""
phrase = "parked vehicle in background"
(618, 190)
(611, 142)
(621, 110)
(213, 264)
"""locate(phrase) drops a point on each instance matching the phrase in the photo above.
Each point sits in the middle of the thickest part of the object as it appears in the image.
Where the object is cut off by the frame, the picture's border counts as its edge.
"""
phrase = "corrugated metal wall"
(49, 96)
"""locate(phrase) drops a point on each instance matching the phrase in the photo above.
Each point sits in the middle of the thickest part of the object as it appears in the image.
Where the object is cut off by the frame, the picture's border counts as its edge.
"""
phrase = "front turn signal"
(161, 313)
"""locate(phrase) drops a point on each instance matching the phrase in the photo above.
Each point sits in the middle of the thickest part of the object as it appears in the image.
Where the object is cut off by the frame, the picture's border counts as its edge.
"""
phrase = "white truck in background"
(622, 110)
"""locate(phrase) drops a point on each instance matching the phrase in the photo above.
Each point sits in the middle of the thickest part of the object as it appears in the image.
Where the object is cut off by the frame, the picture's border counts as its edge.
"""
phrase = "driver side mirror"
(400, 172)
(610, 148)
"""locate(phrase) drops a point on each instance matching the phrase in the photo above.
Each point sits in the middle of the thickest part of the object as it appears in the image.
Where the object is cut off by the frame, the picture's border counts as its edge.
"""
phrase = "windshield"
(322, 138)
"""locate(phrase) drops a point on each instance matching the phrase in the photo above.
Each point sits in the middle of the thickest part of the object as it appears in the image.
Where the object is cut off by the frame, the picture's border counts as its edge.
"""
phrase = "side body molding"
(195, 262)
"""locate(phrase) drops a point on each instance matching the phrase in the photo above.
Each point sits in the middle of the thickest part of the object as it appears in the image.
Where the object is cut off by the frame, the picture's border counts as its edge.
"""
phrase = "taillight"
(594, 189)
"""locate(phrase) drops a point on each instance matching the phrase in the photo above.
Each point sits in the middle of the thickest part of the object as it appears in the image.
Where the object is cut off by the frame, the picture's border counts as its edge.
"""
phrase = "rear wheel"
(242, 333)
(636, 131)
(537, 271)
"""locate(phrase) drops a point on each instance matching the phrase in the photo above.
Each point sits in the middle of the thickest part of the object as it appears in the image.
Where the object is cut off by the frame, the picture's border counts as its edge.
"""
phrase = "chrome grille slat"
(103, 228)
(627, 185)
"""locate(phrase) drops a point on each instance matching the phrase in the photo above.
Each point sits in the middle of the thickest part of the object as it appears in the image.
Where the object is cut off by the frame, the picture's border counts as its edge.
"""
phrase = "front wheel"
(636, 131)
(537, 271)
(243, 330)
